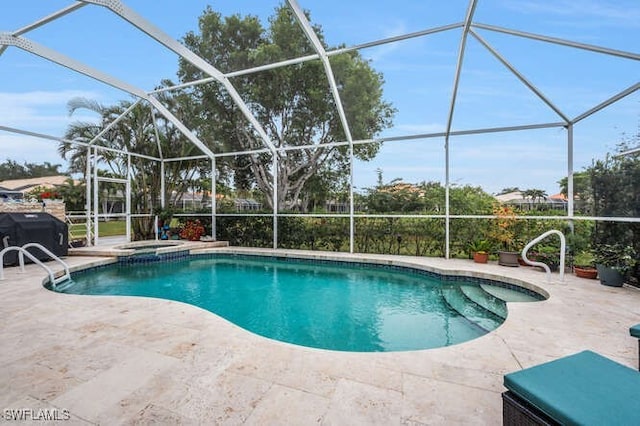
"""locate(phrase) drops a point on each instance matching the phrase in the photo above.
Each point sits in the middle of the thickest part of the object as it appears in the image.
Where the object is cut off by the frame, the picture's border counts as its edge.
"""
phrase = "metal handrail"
(544, 265)
(23, 251)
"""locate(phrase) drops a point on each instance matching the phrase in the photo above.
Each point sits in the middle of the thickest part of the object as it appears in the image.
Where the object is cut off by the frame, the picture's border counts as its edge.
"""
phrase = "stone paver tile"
(281, 404)
(429, 401)
(90, 398)
(355, 403)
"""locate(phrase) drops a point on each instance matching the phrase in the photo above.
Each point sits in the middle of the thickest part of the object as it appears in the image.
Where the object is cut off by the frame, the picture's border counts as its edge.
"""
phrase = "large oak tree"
(293, 103)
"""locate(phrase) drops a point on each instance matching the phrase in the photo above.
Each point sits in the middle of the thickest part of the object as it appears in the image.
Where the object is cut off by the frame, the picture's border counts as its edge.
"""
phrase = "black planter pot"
(508, 258)
(609, 276)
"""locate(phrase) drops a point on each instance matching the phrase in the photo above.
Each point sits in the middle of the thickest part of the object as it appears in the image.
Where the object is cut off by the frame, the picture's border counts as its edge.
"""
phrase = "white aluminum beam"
(461, 50)
(114, 122)
(31, 46)
(128, 198)
(182, 85)
(401, 138)
(320, 50)
(58, 139)
(315, 56)
(87, 194)
(562, 42)
(519, 75)
(402, 37)
(249, 152)
(606, 103)
(60, 59)
(49, 18)
(112, 180)
(156, 133)
(276, 205)
(163, 201)
(456, 81)
(570, 147)
(44, 21)
(317, 46)
(180, 125)
(193, 157)
(96, 212)
(214, 204)
(129, 15)
(628, 152)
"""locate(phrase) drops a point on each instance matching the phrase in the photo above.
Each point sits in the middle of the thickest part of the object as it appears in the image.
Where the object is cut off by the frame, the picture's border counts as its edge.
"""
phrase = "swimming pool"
(322, 304)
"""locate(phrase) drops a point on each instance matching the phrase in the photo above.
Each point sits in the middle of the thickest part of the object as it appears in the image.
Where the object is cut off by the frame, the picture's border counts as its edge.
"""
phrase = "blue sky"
(418, 72)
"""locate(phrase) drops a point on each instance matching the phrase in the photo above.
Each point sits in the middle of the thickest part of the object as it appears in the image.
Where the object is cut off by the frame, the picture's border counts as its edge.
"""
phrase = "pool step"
(65, 285)
(475, 313)
(485, 299)
(509, 295)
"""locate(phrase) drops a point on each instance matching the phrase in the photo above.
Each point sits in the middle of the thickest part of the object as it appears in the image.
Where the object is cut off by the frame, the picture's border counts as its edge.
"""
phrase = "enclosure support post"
(447, 250)
(570, 170)
(95, 195)
(456, 81)
(570, 198)
(128, 199)
(163, 202)
(352, 228)
(275, 200)
(214, 207)
(87, 204)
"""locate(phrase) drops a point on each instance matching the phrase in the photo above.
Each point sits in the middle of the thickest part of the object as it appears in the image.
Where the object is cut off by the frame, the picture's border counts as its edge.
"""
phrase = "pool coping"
(407, 266)
(127, 359)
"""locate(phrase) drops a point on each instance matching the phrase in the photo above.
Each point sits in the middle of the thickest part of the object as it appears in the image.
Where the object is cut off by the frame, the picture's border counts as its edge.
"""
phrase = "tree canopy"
(11, 169)
(135, 132)
(292, 103)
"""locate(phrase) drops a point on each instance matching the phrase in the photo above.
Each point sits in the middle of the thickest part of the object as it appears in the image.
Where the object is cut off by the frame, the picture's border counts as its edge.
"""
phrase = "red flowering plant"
(41, 193)
(192, 230)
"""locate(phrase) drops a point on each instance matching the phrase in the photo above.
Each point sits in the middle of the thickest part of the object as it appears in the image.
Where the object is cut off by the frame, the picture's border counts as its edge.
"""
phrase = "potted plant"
(583, 265)
(480, 250)
(504, 234)
(613, 261)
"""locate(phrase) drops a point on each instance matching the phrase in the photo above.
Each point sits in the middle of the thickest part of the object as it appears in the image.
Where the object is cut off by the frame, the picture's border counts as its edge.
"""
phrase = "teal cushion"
(635, 331)
(585, 388)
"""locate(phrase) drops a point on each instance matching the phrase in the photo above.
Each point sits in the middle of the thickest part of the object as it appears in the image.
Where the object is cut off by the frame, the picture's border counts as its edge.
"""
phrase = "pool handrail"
(23, 250)
(544, 265)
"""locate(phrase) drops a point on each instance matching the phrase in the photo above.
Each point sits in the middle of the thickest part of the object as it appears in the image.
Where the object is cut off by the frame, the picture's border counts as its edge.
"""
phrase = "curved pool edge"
(416, 264)
(482, 320)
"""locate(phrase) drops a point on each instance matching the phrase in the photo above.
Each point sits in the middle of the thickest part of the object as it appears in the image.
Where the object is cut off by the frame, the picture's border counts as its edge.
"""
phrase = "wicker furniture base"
(635, 332)
(518, 412)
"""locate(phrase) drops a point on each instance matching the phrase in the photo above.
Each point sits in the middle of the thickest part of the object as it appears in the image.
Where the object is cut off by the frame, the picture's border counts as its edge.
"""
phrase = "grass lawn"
(111, 228)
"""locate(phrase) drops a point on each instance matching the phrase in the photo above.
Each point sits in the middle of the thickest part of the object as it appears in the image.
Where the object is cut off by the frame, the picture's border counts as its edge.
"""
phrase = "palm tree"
(136, 133)
(534, 196)
(538, 194)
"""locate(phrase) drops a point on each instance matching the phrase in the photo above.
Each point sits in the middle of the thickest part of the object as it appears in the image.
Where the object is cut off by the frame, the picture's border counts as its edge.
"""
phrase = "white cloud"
(378, 53)
(28, 149)
(42, 97)
(42, 111)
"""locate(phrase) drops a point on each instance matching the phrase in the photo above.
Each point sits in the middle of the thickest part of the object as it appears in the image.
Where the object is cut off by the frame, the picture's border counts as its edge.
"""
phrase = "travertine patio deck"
(113, 360)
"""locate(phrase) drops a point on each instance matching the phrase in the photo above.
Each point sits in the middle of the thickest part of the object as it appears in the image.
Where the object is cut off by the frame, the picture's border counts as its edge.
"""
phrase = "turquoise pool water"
(329, 306)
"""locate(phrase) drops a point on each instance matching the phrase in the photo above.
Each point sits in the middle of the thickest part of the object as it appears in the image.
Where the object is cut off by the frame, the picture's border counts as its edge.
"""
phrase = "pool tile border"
(416, 270)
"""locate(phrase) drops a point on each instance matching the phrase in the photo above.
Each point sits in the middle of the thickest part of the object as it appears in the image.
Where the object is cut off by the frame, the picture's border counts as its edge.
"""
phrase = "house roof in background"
(503, 198)
(25, 184)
